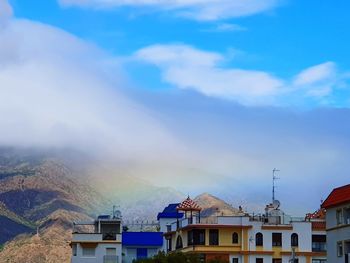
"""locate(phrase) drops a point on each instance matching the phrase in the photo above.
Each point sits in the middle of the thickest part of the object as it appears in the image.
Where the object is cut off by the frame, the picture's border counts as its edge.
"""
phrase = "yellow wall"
(225, 237)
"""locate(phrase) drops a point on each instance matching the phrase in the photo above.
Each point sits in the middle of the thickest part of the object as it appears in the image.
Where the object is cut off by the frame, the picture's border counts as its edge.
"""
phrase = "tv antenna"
(274, 178)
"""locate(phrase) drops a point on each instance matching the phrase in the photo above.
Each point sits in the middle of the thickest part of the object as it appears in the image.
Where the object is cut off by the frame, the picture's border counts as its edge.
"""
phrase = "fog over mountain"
(58, 91)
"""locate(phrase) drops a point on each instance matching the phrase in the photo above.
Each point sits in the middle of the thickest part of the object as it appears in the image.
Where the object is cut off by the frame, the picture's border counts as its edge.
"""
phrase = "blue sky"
(199, 95)
(283, 40)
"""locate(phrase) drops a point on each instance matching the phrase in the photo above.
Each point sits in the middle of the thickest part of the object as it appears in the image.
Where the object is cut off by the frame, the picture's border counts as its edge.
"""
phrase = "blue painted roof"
(170, 212)
(146, 239)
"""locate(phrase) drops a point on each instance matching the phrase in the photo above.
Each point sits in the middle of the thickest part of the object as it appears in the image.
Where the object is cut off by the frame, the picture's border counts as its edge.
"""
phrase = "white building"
(99, 241)
(338, 225)
(271, 237)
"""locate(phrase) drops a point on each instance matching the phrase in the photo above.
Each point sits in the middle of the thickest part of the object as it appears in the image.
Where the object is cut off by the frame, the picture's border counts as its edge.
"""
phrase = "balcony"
(96, 237)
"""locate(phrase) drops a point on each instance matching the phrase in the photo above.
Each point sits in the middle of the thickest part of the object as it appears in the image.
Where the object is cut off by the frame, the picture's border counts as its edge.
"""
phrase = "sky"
(198, 95)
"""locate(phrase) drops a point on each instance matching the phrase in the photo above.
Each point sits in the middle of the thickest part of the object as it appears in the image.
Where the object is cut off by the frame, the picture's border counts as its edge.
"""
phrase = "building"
(337, 205)
(169, 215)
(139, 245)
(99, 241)
(102, 241)
(272, 237)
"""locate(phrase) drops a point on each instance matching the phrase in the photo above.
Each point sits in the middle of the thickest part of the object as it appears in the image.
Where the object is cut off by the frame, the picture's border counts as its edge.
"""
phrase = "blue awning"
(142, 239)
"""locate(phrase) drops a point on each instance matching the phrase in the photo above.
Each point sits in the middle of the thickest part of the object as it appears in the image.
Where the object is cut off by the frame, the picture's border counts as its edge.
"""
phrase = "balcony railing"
(96, 237)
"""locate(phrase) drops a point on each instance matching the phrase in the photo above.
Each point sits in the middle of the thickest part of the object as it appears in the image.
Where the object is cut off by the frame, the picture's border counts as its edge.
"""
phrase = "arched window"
(179, 242)
(294, 240)
(259, 240)
(234, 238)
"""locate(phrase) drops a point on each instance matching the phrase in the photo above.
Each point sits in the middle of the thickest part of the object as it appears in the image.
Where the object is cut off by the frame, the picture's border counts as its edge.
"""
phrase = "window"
(179, 242)
(319, 243)
(339, 216)
(340, 249)
(196, 237)
(235, 238)
(259, 260)
(347, 216)
(296, 260)
(277, 260)
(88, 251)
(319, 261)
(214, 237)
(294, 240)
(74, 250)
(234, 260)
(259, 241)
(276, 239)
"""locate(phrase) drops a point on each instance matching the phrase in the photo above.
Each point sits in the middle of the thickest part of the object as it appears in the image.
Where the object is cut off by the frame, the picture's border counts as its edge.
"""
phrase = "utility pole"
(274, 178)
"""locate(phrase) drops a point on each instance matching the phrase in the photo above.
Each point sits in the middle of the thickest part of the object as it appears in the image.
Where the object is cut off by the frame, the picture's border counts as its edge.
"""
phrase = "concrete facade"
(338, 233)
(101, 254)
(99, 241)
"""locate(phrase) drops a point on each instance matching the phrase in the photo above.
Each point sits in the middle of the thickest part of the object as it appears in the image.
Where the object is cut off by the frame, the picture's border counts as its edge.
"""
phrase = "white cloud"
(189, 68)
(320, 80)
(195, 9)
(316, 74)
(58, 91)
(225, 27)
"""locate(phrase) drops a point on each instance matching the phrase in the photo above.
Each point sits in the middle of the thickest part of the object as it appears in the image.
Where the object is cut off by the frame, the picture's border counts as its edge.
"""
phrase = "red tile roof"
(319, 214)
(188, 205)
(338, 196)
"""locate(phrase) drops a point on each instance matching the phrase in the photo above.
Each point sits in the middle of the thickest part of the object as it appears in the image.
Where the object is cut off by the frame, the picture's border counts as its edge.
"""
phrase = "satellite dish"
(276, 204)
(117, 214)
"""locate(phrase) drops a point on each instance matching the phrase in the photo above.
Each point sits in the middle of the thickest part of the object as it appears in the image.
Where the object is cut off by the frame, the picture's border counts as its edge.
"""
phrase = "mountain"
(49, 245)
(46, 191)
(43, 192)
(212, 205)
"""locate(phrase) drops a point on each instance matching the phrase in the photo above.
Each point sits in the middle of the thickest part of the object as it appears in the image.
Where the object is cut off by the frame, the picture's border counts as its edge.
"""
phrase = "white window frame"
(340, 249)
(340, 216)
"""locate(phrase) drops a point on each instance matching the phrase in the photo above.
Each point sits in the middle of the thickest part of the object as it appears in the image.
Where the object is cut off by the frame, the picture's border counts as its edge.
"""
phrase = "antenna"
(274, 178)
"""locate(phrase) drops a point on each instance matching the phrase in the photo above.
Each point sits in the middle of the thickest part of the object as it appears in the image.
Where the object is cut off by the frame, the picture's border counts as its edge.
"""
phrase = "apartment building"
(337, 205)
(272, 237)
(98, 241)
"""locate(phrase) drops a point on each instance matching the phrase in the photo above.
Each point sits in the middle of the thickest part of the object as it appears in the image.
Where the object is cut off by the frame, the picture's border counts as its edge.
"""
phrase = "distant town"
(270, 237)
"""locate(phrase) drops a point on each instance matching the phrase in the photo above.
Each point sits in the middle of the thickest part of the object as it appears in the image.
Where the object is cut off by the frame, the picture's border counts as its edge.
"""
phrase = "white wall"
(100, 252)
(303, 229)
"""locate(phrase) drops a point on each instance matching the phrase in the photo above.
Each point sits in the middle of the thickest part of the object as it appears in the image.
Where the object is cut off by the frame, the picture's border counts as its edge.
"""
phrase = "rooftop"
(337, 197)
(170, 212)
(188, 205)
